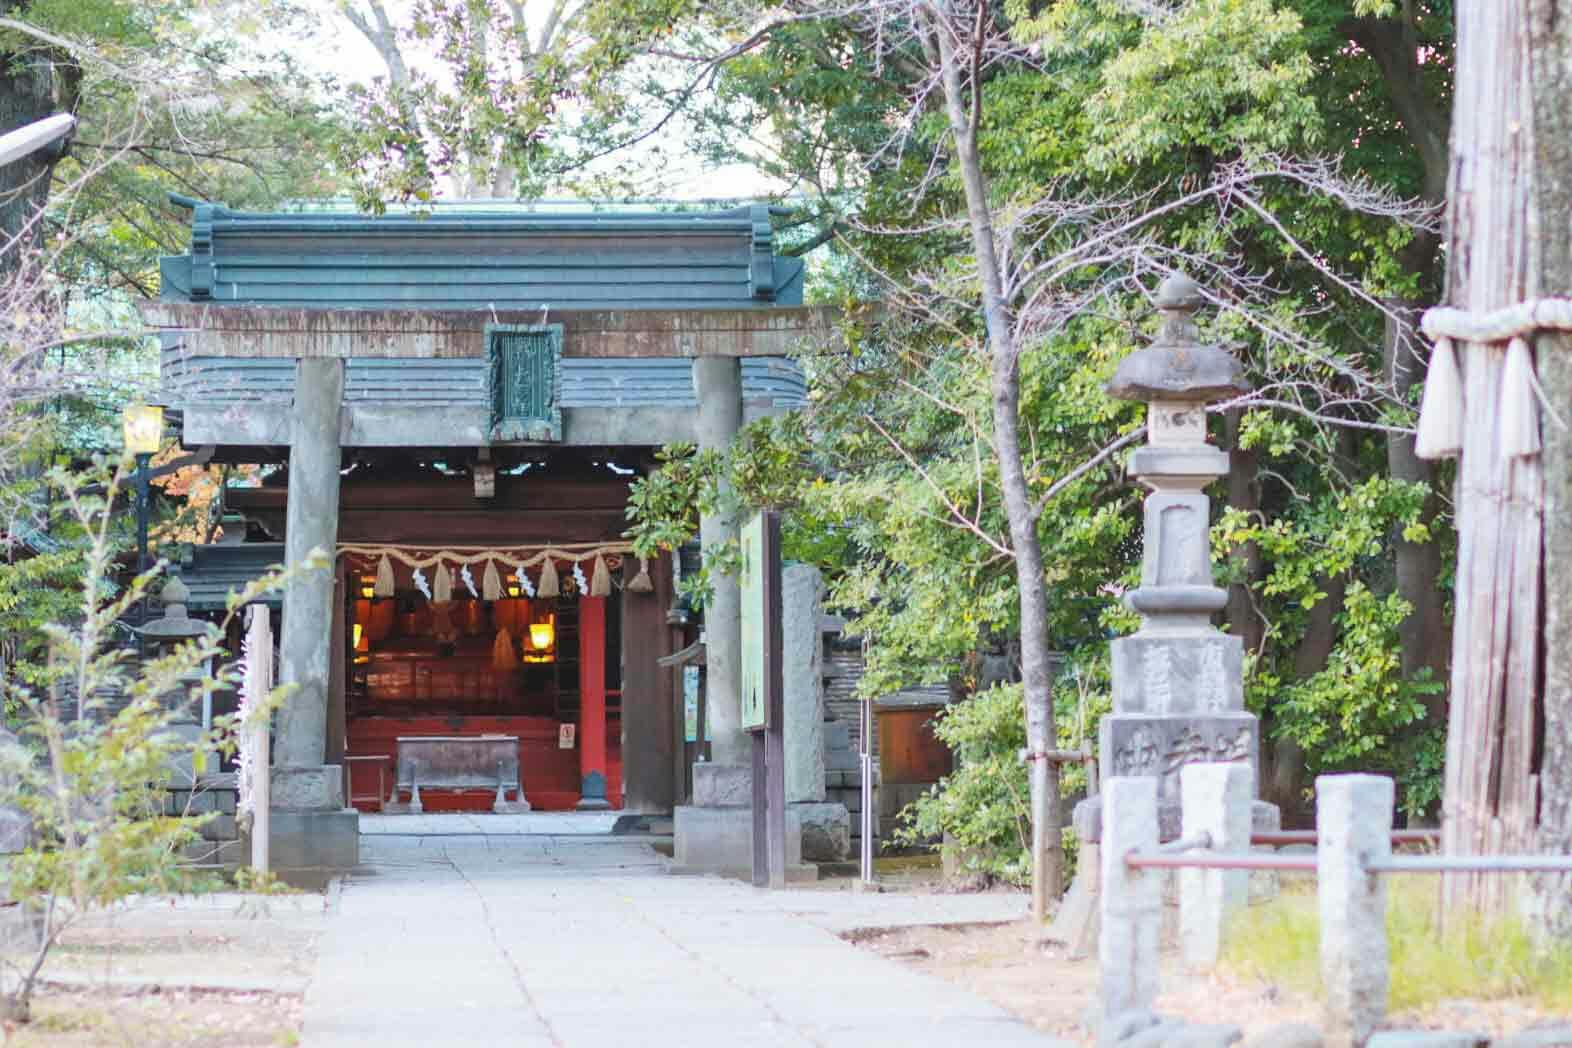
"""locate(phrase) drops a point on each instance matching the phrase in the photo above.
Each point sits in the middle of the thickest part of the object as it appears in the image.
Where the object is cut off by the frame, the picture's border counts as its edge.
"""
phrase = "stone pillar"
(311, 523)
(804, 683)
(1131, 903)
(310, 827)
(715, 832)
(1216, 801)
(1354, 819)
(826, 826)
(592, 704)
(718, 384)
(1178, 684)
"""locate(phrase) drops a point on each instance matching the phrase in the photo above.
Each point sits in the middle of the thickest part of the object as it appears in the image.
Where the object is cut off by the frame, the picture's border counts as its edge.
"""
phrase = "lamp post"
(142, 426)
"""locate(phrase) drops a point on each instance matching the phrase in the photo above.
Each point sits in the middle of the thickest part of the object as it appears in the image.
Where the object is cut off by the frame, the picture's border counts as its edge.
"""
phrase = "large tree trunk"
(1036, 676)
(1551, 43)
(1423, 634)
(1494, 724)
(1244, 493)
(1394, 46)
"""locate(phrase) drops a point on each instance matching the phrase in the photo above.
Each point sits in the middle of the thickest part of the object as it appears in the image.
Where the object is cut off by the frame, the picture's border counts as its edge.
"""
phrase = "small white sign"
(565, 733)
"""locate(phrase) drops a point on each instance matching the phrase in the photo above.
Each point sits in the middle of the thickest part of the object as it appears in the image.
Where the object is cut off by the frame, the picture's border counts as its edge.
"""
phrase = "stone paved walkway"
(585, 941)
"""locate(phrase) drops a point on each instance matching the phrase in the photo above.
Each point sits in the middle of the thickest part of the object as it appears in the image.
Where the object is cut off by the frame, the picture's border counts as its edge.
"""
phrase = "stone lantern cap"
(1177, 366)
(174, 624)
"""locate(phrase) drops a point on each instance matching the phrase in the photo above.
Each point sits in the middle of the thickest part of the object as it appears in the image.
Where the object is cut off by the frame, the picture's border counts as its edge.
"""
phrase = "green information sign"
(690, 705)
(754, 623)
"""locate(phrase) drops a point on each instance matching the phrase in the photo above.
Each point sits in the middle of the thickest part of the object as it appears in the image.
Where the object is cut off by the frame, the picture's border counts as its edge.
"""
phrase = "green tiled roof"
(502, 259)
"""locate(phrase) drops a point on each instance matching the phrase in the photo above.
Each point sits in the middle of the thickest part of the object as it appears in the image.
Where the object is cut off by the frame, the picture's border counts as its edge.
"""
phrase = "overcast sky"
(340, 50)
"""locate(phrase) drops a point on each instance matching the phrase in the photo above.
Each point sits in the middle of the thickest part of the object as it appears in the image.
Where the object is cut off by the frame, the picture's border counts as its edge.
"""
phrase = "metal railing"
(1196, 853)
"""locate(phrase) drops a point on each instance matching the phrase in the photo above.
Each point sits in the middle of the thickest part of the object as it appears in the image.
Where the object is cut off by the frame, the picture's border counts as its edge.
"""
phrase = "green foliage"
(982, 809)
(1359, 710)
(92, 781)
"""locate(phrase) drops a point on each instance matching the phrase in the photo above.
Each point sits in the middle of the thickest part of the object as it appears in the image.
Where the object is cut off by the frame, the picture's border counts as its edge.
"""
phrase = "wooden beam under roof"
(205, 329)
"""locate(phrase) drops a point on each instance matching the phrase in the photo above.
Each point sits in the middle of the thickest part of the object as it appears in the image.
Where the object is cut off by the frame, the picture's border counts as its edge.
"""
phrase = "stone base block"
(1197, 674)
(718, 840)
(722, 785)
(802, 873)
(316, 840)
(826, 830)
(309, 789)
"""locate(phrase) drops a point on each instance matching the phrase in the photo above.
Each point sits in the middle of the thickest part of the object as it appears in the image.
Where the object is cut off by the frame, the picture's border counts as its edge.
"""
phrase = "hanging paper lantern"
(600, 582)
(443, 588)
(491, 582)
(1519, 410)
(641, 583)
(384, 585)
(548, 579)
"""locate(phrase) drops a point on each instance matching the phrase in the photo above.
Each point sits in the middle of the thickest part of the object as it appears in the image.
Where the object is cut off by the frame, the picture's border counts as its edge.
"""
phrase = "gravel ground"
(222, 969)
(1012, 966)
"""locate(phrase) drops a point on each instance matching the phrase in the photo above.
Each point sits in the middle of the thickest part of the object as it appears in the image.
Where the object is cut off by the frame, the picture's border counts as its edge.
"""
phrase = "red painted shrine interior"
(467, 666)
(514, 666)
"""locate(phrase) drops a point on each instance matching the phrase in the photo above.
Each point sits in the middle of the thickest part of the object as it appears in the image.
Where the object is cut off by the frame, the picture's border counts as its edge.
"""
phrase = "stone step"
(186, 801)
(848, 778)
(840, 760)
(220, 828)
(215, 853)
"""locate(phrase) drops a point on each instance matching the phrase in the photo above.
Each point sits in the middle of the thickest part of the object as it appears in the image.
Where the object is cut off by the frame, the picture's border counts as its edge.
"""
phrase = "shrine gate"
(452, 406)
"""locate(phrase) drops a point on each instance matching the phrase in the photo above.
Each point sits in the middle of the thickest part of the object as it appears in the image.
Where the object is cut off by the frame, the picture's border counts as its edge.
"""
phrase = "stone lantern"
(165, 632)
(1178, 693)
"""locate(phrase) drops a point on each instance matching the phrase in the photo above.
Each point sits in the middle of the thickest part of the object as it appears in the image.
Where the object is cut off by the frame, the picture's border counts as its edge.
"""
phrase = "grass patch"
(1280, 942)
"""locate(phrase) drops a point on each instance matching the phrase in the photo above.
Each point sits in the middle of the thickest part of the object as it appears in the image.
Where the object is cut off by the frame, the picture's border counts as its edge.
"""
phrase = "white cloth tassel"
(384, 584)
(548, 579)
(1519, 412)
(491, 582)
(1441, 412)
(442, 589)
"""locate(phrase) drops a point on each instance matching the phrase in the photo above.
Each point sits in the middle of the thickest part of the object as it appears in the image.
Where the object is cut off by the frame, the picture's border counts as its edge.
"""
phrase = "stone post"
(1178, 685)
(804, 683)
(1354, 819)
(718, 384)
(715, 832)
(311, 522)
(1131, 902)
(826, 825)
(1216, 801)
(304, 786)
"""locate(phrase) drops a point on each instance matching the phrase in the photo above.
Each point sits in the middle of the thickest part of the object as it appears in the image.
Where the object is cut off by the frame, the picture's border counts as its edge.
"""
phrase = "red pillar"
(592, 703)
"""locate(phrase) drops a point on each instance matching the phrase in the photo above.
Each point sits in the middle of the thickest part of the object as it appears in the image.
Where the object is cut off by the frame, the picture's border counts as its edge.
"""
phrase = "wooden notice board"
(763, 688)
(755, 615)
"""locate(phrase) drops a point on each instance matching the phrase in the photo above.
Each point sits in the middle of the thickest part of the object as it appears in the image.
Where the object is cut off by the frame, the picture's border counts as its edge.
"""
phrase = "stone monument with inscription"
(1178, 684)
